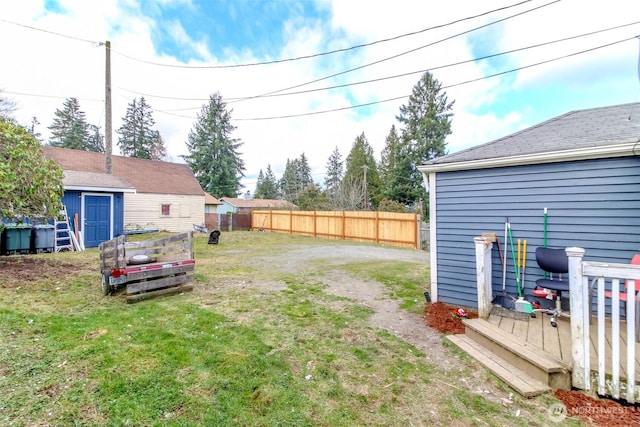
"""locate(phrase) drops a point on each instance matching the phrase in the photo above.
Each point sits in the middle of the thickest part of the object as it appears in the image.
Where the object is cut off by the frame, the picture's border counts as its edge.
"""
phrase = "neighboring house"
(583, 166)
(211, 211)
(140, 194)
(247, 204)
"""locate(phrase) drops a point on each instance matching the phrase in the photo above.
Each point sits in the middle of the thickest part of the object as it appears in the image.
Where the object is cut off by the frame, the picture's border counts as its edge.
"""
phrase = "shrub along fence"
(400, 229)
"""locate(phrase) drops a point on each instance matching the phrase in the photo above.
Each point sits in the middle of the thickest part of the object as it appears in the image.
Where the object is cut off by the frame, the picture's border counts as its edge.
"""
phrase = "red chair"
(625, 295)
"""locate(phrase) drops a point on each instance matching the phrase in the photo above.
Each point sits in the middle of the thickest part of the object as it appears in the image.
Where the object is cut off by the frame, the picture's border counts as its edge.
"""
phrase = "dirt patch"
(17, 271)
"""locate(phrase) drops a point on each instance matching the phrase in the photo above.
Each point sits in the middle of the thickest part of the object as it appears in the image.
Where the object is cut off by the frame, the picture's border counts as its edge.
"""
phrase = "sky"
(309, 76)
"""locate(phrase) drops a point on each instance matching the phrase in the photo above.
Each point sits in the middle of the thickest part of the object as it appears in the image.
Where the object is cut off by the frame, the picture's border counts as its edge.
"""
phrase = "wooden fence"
(400, 229)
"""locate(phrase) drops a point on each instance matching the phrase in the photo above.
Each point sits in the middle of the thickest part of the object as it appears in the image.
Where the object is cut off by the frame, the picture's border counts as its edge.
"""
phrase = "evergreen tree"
(426, 121)
(403, 181)
(388, 156)
(137, 136)
(303, 172)
(213, 153)
(361, 162)
(289, 186)
(334, 172)
(267, 186)
(257, 193)
(69, 128)
(313, 198)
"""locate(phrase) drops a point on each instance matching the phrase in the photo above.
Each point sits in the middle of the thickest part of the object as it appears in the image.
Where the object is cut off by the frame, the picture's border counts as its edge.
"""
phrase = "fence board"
(400, 229)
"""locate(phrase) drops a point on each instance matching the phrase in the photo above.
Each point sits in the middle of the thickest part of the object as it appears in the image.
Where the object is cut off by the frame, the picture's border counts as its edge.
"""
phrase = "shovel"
(504, 300)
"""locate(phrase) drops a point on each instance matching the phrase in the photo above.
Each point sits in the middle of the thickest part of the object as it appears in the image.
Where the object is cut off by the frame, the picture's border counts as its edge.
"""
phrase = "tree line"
(359, 181)
(356, 182)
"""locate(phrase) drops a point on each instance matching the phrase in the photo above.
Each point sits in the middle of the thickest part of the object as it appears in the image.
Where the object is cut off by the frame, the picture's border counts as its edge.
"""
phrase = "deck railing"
(591, 284)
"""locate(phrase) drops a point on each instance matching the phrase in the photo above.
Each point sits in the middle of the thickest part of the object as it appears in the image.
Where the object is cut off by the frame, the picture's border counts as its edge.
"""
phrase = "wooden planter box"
(149, 268)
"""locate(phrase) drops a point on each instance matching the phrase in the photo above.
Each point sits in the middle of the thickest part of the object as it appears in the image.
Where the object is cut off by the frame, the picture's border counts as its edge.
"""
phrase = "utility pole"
(107, 106)
(366, 196)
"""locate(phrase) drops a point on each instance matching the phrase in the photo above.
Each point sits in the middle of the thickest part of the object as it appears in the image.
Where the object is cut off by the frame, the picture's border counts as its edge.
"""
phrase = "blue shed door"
(97, 220)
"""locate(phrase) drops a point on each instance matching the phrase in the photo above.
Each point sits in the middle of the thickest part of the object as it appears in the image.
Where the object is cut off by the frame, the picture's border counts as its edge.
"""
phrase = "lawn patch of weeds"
(404, 280)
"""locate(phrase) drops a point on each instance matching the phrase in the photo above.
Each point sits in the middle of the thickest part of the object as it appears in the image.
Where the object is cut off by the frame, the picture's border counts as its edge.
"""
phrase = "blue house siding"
(594, 204)
(73, 201)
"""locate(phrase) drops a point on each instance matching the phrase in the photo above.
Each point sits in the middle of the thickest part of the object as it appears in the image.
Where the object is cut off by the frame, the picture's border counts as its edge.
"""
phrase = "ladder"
(63, 233)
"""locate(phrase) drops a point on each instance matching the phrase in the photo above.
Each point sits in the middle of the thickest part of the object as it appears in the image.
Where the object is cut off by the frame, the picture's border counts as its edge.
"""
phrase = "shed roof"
(592, 133)
(259, 203)
(76, 180)
(146, 176)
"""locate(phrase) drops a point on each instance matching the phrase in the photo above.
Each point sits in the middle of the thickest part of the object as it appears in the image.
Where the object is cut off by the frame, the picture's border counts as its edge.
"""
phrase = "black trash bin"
(42, 238)
(214, 236)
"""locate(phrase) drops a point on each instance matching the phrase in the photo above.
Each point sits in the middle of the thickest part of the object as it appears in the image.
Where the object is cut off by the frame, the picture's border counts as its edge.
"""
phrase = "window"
(166, 210)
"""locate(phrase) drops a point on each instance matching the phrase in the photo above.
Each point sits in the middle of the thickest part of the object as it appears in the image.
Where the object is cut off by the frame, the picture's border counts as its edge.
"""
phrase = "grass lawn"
(229, 353)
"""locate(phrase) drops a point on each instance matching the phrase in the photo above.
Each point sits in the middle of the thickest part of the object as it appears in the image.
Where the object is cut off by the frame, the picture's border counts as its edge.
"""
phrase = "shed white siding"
(144, 211)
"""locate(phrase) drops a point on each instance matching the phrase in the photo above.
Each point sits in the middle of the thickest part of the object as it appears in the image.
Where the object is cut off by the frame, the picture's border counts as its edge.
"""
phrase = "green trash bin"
(17, 238)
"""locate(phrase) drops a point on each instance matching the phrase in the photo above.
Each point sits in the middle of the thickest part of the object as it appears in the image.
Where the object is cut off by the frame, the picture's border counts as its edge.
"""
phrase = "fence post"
(483, 275)
(580, 303)
(418, 233)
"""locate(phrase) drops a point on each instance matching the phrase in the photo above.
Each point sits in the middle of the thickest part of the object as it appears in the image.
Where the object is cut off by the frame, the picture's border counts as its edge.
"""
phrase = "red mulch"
(598, 412)
(440, 317)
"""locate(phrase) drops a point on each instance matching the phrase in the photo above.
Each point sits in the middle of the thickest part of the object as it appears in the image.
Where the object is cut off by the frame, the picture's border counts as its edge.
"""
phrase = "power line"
(331, 52)
(51, 32)
(50, 96)
(443, 87)
(446, 65)
(400, 54)
(278, 92)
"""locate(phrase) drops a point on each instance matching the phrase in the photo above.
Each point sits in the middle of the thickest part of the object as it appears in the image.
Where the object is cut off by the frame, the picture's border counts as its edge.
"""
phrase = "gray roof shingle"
(582, 129)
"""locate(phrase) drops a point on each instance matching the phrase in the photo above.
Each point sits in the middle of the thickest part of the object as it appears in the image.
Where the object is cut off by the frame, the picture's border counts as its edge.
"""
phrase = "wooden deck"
(557, 341)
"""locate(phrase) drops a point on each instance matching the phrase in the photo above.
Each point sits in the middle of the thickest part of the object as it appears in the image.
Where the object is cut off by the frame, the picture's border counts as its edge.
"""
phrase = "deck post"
(580, 305)
(483, 275)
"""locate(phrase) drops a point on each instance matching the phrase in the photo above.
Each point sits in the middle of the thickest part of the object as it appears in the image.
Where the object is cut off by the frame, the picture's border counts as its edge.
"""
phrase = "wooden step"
(520, 381)
(526, 357)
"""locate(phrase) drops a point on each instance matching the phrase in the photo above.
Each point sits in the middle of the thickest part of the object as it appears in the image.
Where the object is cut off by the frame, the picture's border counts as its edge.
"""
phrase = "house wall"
(144, 211)
(593, 204)
(73, 201)
(225, 207)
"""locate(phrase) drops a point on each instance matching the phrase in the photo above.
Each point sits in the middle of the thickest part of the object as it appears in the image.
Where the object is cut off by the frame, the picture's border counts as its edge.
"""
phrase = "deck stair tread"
(518, 346)
(519, 380)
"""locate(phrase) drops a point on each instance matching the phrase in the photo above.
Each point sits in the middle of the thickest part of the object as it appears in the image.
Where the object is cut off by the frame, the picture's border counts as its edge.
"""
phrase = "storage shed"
(139, 194)
(583, 167)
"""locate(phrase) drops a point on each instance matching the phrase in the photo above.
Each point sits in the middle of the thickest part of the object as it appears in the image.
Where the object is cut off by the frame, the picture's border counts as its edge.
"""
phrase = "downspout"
(430, 186)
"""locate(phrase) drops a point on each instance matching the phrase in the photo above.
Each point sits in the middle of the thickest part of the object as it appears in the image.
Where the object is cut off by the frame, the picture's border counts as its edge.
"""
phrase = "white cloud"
(45, 64)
